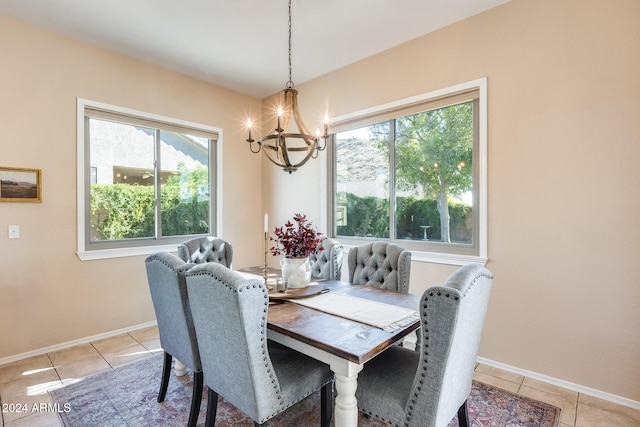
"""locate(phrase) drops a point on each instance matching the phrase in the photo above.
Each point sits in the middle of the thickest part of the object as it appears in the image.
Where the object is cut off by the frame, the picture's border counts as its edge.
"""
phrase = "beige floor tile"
(151, 332)
(568, 406)
(589, 416)
(22, 368)
(603, 405)
(30, 385)
(23, 406)
(496, 382)
(40, 419)
(569, 395)
(126, 355)
(499, 373)
(81, 367)
(121, 349)
(148, 337)
(74, 353)
(114, 343)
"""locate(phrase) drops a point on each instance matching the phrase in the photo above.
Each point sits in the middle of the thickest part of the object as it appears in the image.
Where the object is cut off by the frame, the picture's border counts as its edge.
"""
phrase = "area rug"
(126, 396)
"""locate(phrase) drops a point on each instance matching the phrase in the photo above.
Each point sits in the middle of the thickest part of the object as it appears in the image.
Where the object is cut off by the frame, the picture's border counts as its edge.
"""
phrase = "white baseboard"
(562, 383)
(411, 340)
(73, 343)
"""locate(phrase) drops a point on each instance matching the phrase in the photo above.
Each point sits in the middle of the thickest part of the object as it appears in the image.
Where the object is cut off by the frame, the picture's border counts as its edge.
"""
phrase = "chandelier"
(284, 148)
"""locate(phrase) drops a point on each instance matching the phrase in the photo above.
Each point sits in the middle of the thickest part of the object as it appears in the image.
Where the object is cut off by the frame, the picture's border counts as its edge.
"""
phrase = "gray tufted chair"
(380, 264)
(168, 287)
(426, 388)
(328, 263)
(206, 249)
(260, 377)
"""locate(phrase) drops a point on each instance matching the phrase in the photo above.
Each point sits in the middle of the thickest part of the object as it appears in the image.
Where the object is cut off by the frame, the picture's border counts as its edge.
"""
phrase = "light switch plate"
(14, 231)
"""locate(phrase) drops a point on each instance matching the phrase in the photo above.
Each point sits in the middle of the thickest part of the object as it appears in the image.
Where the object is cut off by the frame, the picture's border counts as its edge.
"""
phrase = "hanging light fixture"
(287, 149)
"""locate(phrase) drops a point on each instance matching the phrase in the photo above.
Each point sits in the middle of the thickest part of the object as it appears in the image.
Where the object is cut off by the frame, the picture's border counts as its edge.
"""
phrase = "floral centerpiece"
(296, 241)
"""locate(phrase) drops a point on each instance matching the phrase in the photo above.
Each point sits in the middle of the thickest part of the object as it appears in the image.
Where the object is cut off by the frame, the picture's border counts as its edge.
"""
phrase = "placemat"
(381, 315)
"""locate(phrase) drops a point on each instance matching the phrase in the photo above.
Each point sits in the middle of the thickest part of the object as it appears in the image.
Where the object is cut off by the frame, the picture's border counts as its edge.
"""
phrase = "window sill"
(124, 252)
(450, 259)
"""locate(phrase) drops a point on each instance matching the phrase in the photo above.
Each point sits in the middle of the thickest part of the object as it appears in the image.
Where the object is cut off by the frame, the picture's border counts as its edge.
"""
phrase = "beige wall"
(563, 203)
(564, 144)
(47, 295)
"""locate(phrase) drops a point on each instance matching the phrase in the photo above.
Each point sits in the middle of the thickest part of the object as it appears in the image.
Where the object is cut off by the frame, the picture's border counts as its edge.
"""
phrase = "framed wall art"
(20, 185)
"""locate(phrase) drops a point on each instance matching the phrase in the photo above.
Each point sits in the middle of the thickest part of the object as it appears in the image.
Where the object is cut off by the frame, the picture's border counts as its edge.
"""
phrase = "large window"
(144, 181)
(414, 172)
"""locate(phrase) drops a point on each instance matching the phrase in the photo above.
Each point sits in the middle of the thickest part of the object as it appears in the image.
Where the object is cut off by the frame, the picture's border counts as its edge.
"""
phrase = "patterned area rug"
(126, 396)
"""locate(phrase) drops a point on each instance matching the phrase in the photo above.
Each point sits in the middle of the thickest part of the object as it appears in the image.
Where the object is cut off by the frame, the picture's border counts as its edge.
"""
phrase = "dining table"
(345, 340)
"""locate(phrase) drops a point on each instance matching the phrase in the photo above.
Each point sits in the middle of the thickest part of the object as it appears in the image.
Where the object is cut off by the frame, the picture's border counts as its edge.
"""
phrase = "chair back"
(206, 249)
(328, 263)
(166, 277)
(380, 264)
(452, 319)
(230, 316)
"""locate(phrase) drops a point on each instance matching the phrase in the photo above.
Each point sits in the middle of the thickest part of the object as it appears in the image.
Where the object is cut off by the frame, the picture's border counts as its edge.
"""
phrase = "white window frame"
(480, 187)
(86, 254)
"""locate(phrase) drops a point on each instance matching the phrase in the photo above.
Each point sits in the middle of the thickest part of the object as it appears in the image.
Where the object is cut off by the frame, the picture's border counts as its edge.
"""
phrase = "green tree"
(124, 211)
(121, 211)
(185, 202)
(433, 154)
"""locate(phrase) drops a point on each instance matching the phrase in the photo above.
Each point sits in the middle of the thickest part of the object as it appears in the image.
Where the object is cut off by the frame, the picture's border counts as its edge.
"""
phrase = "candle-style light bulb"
(280, 113)
(326, 124)
(249, 126)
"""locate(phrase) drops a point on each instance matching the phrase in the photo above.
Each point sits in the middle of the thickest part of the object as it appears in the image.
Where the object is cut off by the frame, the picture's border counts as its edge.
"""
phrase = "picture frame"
(20, 185)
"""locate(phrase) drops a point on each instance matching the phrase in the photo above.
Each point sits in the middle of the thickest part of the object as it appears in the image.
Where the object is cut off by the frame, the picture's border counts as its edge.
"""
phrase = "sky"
(29, 177)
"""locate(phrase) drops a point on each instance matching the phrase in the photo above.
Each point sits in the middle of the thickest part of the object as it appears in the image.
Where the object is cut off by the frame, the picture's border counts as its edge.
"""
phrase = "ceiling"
(242, 44)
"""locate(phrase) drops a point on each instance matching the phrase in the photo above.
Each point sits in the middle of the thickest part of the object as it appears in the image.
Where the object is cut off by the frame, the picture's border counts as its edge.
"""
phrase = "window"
(145, 182)
(414, 172)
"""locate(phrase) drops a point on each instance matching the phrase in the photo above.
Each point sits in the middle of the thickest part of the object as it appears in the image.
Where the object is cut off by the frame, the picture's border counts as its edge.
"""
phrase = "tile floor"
(24, 384)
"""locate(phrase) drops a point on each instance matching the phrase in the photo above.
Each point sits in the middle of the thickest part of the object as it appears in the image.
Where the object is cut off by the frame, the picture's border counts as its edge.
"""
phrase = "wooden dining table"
(342, 343)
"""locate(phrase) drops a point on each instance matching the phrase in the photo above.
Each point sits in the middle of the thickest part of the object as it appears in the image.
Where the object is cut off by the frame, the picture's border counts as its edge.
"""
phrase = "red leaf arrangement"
(297, 240)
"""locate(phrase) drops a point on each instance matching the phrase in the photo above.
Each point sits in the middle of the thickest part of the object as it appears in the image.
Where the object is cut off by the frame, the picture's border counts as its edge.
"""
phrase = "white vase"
(297, 271)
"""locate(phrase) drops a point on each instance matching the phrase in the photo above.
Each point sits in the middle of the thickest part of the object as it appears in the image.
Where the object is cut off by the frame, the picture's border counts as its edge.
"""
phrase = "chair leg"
(196, 398)
(326, 404)
(463, 415)
(166, 371)
(212, 408)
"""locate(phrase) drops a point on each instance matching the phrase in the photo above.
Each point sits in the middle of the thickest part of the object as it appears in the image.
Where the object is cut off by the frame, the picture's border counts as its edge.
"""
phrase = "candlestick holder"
(266, 269)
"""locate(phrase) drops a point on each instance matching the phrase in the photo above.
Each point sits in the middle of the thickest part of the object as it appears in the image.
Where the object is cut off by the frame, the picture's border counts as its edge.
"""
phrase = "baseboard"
(73, 343)
(562, 383)
(411, 340)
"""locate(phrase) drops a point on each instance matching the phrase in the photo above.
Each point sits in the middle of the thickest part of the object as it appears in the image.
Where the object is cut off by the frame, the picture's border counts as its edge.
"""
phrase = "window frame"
(146, 246)
(422, 251)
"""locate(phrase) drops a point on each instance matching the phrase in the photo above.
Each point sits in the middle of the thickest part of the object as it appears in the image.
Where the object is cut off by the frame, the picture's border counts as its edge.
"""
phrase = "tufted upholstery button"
(206, 249)
(380, 264)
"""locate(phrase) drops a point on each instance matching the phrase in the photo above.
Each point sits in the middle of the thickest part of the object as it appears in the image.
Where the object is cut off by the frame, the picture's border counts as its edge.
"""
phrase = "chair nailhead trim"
(425, 336)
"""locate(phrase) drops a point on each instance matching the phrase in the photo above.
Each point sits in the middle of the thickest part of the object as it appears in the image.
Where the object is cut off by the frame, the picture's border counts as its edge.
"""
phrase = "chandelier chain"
(290, 82)
(289, 149)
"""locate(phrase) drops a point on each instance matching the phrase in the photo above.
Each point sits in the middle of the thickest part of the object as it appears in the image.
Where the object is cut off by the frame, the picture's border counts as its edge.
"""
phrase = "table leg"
(181, 369)
(346, 405)
(346, 374)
